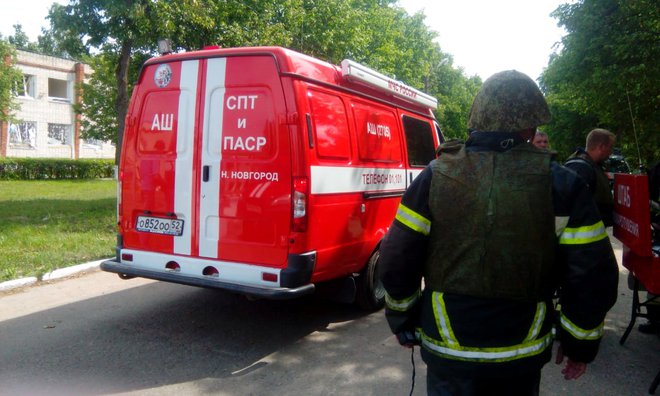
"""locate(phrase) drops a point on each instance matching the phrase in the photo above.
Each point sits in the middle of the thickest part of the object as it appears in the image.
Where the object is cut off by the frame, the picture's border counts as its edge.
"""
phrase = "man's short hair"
(539, 133)
(599, 136)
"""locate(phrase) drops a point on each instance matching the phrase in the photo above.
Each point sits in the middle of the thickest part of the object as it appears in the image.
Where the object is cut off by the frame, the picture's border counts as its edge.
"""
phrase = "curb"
(49, 276)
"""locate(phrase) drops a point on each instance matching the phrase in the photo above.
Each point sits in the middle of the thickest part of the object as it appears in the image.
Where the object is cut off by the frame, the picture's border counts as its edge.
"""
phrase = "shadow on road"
(152, 336)
(157, 338)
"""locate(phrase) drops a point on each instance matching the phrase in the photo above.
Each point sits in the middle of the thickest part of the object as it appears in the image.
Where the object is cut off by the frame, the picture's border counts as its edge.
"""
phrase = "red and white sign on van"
(163, 76)
(245, 129)
(162, 122)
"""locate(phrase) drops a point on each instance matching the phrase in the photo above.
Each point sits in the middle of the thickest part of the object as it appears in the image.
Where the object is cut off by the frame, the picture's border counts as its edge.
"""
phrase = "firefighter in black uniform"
(494, 227)
(588, 163)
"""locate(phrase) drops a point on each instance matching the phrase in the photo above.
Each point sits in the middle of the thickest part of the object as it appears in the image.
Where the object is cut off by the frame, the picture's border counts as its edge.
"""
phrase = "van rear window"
(378, 135)
(419, 140)
(157, 126)
(330, 126)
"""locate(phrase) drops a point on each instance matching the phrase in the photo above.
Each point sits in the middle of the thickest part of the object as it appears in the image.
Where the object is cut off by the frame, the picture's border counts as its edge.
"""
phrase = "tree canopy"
(116, 36)
(606, 75)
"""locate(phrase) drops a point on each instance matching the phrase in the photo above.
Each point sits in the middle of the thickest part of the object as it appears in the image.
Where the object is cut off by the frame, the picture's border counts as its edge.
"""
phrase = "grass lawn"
(45, 225)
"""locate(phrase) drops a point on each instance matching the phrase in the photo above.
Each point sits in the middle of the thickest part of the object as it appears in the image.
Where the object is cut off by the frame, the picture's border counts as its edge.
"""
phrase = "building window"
(23, 135)
(25, 88)
(59, 134)
(58, 90)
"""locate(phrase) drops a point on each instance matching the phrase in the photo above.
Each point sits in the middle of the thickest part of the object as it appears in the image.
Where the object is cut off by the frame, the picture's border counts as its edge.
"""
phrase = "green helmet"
(508, 101)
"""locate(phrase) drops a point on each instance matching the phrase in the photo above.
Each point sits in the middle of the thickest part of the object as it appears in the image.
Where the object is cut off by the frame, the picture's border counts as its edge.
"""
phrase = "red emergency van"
(265, 172)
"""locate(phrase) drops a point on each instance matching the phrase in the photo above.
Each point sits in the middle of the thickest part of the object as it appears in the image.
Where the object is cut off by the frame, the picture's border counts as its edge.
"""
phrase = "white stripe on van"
(413, 173)
(335, 179)
(209, 205)
(184, 154)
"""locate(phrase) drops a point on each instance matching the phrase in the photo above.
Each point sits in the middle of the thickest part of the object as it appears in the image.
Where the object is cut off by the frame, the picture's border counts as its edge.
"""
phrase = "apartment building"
(47, 126)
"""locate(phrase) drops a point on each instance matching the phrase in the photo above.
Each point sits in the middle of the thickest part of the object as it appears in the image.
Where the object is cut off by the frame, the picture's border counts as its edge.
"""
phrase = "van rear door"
(156, 180)
(211, 156)
(245, 185)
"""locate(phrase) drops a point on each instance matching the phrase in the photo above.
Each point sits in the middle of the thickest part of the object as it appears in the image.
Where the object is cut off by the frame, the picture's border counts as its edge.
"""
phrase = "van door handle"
(205, 173)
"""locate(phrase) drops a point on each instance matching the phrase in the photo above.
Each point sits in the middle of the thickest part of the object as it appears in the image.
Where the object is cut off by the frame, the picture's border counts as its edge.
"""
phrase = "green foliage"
(83, 26)
(569, 126)
(20, 39)
(99, 96)
(606, 75)
(45, 44)
(9, 77)
(455, 94)
(374, 32)
(54, 169)
(45, 225)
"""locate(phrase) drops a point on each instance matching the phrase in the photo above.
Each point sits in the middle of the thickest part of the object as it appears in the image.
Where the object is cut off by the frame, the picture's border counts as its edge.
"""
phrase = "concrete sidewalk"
(50, 276)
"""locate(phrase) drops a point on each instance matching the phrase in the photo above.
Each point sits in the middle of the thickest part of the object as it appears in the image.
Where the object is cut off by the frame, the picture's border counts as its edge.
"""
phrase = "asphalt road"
(96, 334)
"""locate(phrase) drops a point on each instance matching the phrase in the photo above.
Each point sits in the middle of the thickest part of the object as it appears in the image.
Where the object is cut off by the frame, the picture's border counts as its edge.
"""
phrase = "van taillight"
(299, 204)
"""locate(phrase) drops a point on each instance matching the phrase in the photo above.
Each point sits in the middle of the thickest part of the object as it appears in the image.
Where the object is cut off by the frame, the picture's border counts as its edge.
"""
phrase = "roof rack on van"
(354, 71)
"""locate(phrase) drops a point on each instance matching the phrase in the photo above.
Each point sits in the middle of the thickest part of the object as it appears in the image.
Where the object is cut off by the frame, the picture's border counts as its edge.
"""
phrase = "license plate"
(159, 225)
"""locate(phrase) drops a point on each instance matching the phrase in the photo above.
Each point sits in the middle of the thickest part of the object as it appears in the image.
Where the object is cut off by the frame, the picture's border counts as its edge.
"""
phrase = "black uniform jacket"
(581, 163)
(484, 337)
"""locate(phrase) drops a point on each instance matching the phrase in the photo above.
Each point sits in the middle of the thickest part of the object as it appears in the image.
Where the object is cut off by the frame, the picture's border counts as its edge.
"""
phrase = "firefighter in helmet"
(494, 228)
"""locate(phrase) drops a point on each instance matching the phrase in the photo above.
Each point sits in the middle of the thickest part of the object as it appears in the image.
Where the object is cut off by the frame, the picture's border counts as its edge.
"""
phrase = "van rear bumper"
(274, 293)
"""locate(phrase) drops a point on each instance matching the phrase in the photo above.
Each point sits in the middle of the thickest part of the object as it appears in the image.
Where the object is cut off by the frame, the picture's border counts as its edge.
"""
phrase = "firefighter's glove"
(407, 338)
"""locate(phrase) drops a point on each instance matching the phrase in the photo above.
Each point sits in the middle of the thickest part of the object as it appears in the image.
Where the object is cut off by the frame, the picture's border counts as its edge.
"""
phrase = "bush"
(54, 169)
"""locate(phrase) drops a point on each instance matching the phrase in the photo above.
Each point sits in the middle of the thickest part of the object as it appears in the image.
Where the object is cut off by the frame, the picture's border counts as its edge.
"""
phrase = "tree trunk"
(121, 74)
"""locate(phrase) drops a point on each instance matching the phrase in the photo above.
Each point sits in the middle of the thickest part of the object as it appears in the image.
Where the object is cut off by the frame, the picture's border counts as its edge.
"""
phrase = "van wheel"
(370, 293)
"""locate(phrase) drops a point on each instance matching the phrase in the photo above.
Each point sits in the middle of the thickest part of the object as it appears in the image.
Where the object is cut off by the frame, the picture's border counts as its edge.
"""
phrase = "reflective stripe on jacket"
(449, 346)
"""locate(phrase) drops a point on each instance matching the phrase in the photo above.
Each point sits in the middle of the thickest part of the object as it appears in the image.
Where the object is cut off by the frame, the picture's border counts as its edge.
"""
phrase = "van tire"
(370, 293)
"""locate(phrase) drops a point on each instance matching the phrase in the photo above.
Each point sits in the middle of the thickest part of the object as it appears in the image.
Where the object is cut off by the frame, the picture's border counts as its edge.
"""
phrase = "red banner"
(632, 215)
